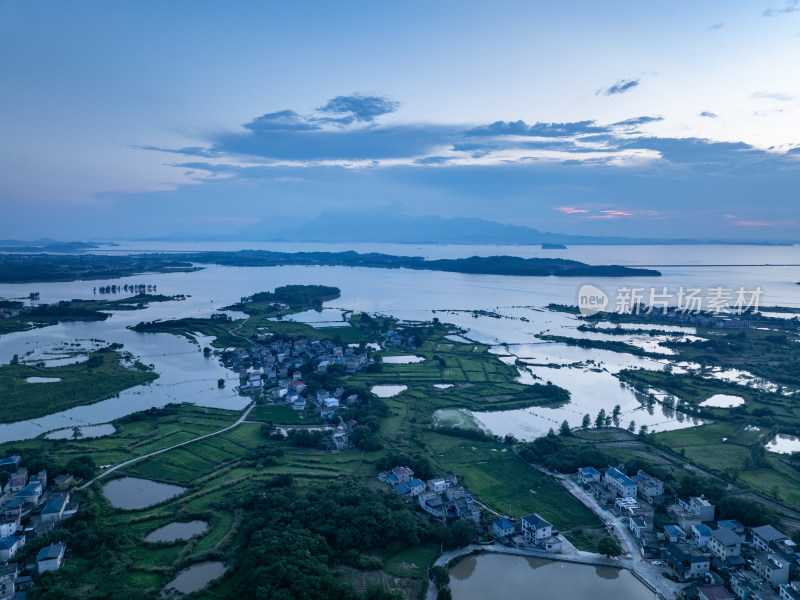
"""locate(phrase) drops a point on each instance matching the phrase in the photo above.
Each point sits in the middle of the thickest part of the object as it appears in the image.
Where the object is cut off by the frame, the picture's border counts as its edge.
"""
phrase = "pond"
(387, 391)
(402, 360)
(723, 401)
(194, 578)
(177, 531)
(131, 493)
(784, 444)
(85, 431)
(522, 578)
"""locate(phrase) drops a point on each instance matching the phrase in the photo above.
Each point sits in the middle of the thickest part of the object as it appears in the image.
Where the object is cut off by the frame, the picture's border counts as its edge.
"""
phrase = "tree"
(220, 383)
(444, 594)
(608, 546)
(564, 429)
(632, 426)
(439, 576)
(615, 414)
(587, 421)
(601, 419)
(643, 430)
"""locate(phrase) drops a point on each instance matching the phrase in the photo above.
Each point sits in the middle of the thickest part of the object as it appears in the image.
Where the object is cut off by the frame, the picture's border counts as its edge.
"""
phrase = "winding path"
(144, 456)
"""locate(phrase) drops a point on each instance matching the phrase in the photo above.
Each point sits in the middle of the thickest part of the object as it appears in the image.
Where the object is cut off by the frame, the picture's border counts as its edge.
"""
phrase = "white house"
(535, 528)
(619, 483)
(50, 558)
(587, 475)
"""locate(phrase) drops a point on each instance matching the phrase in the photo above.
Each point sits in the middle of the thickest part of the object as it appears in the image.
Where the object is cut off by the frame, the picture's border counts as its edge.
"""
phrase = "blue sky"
(677, 119)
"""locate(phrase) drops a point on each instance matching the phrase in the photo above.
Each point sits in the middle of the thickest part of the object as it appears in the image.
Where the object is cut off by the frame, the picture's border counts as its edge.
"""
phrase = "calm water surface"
(187, 376)
(131, 493)
(523, 578)
(177, 531)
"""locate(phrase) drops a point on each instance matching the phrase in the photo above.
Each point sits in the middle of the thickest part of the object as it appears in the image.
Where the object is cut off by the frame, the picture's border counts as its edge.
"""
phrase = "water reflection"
(522, 578)
(464, 568)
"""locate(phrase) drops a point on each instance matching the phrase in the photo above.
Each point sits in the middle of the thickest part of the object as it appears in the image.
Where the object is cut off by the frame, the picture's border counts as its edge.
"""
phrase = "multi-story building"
(619, 483)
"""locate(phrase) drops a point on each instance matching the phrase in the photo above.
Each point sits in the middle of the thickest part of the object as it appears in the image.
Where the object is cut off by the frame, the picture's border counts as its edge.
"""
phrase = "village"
(30, 506)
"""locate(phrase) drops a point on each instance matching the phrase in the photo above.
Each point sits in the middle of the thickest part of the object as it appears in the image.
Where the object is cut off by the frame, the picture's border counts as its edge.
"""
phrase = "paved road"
(138, 458)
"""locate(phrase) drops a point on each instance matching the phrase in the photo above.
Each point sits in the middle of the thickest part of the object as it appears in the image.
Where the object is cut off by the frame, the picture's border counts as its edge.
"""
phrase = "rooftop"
(768, 533)
(536, 521)
(715, 592)
(622, 479)
(50, 552)
(726, 537)
(503, 523)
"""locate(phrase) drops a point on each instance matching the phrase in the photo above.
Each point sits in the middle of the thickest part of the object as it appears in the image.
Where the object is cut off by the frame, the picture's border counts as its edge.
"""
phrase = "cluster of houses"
(760, 563)
(532, 530)
(278, 364)
(29, 499)
(7, 313)
(441, 497)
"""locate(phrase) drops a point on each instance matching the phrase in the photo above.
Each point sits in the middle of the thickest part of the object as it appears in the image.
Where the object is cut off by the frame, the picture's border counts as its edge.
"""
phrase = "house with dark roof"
(30, 493)
(502, 528)
(713, 592)
(686, 561)
(674, 534)
(54, 508)
(765, 536)
(701, 534)
(10, 464)
(619, 483)
(10, 546)
(649, 488)
(50, 558)
(587, 475)
(771, 568)
(725, 544)
(535, 528)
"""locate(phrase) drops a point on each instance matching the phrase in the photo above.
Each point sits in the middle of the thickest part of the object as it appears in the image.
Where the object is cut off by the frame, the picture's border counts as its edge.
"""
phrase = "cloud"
(715, 26)
(284, 120)
(622, 86)
(755, 223)
(709, 114)
(637, 121)
(503, 128)
(791, 6)
(359, 108)
(605, 213)
(779, 96)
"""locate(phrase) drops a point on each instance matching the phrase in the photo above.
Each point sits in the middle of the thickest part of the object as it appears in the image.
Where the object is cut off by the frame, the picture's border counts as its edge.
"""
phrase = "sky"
(140, 119)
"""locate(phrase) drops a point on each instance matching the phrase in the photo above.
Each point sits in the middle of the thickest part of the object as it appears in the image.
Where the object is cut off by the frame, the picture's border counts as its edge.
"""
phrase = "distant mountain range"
(380, 227)
(44, 245)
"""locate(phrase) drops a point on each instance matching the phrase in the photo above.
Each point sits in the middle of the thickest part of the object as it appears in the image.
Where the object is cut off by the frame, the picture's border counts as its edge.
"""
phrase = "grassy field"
(505, 483)
(86, 382)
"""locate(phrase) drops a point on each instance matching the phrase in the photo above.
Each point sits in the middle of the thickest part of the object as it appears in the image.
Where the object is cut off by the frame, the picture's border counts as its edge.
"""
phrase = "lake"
(187, 376)
(522, 578)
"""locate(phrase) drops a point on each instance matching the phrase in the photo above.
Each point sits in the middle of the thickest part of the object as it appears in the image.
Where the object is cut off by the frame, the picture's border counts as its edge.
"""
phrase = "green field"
(86, 382)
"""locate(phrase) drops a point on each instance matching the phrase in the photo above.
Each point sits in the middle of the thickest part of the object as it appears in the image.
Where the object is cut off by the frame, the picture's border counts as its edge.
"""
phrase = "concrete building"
(535, 528)
(649, 488)
(771, 568)
(724, 543)
(686, 561)
(587, 475)
(50, 558)
(765, 536)
(502, 528)
(619, 483)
